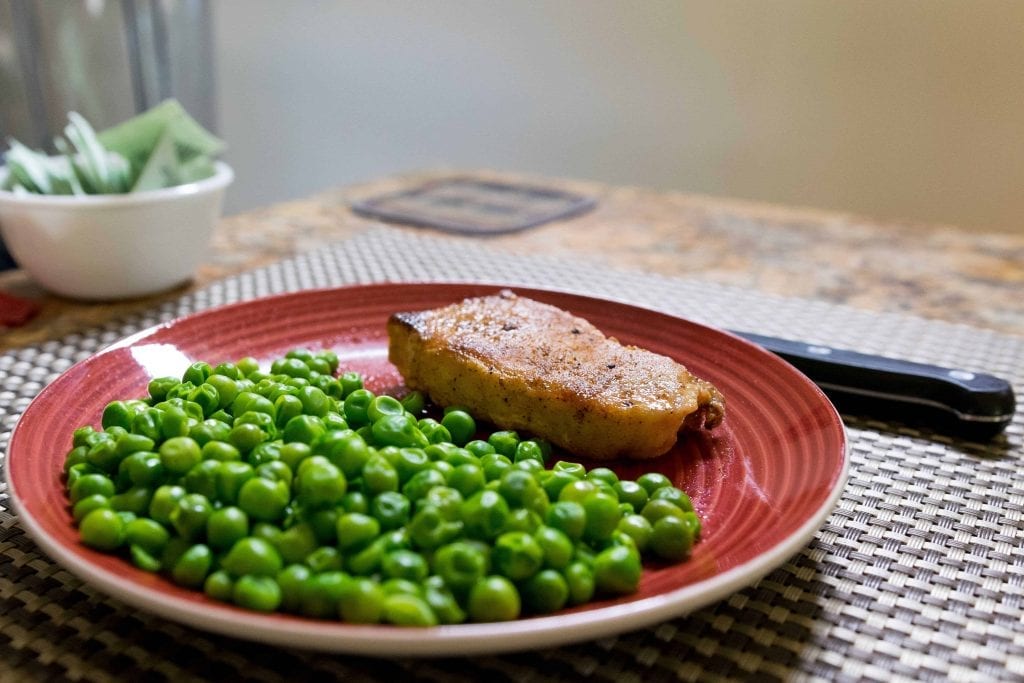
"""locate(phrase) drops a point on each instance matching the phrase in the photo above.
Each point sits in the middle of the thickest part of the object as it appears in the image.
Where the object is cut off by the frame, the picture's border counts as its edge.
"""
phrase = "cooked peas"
(297, 489)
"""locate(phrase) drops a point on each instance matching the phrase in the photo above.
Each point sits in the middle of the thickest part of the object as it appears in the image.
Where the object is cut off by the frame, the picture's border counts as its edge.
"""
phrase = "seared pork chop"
(529, 366)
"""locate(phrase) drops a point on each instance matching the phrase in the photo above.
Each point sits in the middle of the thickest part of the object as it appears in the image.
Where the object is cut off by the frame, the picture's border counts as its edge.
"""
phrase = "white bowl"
(119, 246)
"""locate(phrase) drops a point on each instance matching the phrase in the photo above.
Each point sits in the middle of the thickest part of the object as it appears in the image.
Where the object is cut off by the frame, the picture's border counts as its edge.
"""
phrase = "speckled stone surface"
(939, 272)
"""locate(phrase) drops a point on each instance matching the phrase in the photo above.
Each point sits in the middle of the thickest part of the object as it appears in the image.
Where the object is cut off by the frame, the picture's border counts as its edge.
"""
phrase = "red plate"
(763, 482)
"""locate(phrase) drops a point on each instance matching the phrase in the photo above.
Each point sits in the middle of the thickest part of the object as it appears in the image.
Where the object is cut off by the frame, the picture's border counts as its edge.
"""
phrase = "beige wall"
(904, 109)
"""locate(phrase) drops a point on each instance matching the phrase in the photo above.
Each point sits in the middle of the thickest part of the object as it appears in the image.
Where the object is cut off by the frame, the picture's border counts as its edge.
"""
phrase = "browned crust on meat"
(529, 366)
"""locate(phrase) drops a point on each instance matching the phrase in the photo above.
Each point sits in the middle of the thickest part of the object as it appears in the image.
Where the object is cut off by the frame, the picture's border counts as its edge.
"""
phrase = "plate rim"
(470, 638)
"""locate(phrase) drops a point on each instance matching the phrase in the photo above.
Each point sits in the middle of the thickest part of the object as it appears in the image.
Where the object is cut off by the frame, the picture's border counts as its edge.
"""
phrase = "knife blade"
(949, 400)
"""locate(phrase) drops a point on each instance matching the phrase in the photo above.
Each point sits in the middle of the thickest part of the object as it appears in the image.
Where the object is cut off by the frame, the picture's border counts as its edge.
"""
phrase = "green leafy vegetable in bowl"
(162, 147)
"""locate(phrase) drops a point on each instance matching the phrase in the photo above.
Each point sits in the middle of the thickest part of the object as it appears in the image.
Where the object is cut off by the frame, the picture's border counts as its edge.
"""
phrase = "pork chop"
(525, 365)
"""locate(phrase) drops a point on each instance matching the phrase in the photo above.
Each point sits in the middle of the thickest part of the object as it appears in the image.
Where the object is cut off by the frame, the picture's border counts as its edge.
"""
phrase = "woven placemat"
(917, 575)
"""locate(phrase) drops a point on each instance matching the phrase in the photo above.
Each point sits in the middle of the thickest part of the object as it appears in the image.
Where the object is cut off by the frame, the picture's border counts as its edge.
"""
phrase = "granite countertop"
(933, 271)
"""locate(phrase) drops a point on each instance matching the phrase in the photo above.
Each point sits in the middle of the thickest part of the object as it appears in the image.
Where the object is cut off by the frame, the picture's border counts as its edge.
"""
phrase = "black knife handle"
(962, 402)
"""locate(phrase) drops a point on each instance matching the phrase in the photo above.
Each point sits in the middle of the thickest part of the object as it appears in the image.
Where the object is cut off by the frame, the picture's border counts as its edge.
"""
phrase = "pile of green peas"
(297, 489)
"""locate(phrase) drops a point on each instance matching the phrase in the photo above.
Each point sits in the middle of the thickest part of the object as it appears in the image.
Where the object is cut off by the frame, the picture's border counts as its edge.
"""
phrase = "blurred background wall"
(904, 110)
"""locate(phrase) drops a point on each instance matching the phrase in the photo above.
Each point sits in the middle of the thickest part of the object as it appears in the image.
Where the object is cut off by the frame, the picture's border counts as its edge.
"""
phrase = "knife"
(948, 400)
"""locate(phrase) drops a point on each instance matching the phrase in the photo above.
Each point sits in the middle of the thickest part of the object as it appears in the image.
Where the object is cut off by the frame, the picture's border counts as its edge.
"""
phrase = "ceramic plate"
(763, 482)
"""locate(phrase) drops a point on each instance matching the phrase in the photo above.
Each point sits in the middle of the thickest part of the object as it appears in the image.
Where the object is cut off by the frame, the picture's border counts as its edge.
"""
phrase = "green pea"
(631, 492)
(483, 514)
(442, 601)
(404, 564)
(357, 405)
(391, 509)
(164, 501)
(118, 413)
(91, 484)
(148, 534)
(193, 566)
(268, 451)
(362, 602)
(202, 478)
(320, 594)
(617, 570)
(288, 407)
(344, 449)
(259, 593)
(429, 528)
(379, 475)
(674, 495)
(671, 538)
(219, 585)
(652, 481)
(264, 499)
(143, 559)
(245, 436)
(225, 385)
(350, 382)
(103, 455)
(253, 556)
(88, 504)
(324, 523)
(545, 592)
(275, 470)
(231, 476)
(296, 543)
(159, 386)
(520, 489)
(75, 456)
(460, 425)
(190, 514)
(247, 365)
(220, 450)
(179, 454)
(495, 465)
(421, 482)
(603, 516)
(656, 508)
(209, 430)
(290, 580)
(102, 529)
(356, 530)
(197, 372)
(367, 560)
(467, 478)
(517, 555)
(293, 367)
(638, 528)
(494, 598)
(577, 491)
(504, 442)
(292, 454)
(414, 402)
(528, 450)
(479, 447)
(355, 501)
(447, 500)
(461, 565)
(579, 577)
(226, 526)
(521, 519)
(398, 430)
(435, 432)
(318, 483)
(569, 517)
(206, 397)
(402, 609)
(305, 428)
(135, 500)
(556, 546)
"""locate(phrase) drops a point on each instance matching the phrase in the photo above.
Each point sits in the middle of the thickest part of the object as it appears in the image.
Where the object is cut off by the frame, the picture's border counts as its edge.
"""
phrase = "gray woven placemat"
(917, 575)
